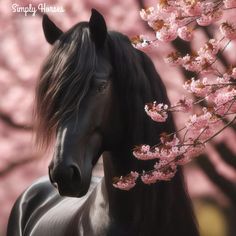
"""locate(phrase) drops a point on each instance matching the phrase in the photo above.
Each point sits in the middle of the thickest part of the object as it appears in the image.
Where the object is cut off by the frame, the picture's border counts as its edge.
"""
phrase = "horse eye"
(101, 87)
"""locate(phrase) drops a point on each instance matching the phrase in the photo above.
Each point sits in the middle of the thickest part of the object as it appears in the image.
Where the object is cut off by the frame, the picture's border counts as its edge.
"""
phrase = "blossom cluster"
(201, 61)
(198, 129)
(221, 94)
(169, 154)
(127, 182)
(171, 19)
(159, 112)
(171, 151)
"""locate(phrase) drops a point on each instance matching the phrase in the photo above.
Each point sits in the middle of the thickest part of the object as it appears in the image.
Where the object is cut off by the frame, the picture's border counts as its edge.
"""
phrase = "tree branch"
(8, 120)
(222, 183)
(226, 154)
(220, 55)
(15, 164)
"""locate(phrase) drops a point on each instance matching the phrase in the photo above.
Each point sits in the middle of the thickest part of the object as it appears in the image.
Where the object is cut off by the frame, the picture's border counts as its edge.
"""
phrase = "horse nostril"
(50, 177)
(64, 176)
(75, 177)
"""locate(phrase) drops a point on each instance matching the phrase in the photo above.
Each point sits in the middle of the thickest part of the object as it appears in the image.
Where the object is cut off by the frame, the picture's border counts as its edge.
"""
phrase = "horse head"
(75, 102)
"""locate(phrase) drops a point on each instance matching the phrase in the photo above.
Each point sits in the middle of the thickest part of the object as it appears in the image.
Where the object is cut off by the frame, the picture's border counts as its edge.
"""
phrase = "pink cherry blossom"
(224, 79)
(209, 50)
(210, 13)
(167, 33)
(150, 178)
(204, 20)
(148, 14)
(202, 126)
(157, 112)
(190, 63)
(163, 171)
(206, 132)
(229, 3)
(193, 8)
(170, 148)
(173, 59)
(185, 33)
(166, 169)
(196, 122)
(182, 159)
(141, 42)
(184, 105)
(201, 62)
(165, 28)
(194, 150)
(171, 152)
(166, 7)
(169, 141)
(197, 87)
(127, 182)
(228, 30)
(227, 76)
(225, 101)
(144, 152)
(217, 15)
(208, 7)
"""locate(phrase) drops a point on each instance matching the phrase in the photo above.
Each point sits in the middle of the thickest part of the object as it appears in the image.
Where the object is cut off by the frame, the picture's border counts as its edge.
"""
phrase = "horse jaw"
(71, 168)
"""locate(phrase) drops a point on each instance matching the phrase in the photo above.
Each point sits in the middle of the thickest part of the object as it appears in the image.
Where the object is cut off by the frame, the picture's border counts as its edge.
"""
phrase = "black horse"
(90, 97)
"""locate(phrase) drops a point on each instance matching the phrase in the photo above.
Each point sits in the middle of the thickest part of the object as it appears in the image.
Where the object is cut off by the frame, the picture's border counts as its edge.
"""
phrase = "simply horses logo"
(31, 10)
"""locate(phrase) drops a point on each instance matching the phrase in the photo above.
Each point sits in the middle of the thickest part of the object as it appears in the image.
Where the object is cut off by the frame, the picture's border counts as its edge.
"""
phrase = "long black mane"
(64, 80)
(137, 83)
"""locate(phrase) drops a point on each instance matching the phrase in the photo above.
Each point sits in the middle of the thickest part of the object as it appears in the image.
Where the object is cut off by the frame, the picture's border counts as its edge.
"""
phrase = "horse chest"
(56, 220)
(86, 216)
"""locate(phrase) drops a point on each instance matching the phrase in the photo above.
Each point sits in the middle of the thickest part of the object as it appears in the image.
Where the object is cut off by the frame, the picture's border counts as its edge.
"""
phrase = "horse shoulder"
(27, 205)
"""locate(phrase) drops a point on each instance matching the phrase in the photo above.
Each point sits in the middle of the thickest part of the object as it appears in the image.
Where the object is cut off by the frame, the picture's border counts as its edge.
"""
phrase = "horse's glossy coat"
(91, 95)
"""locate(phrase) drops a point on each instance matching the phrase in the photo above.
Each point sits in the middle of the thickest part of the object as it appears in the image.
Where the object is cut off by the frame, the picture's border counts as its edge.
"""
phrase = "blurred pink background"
(22, 51)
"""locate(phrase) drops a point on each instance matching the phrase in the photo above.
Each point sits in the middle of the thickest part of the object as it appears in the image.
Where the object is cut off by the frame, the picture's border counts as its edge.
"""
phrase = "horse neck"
(159, 208)
(146, 204)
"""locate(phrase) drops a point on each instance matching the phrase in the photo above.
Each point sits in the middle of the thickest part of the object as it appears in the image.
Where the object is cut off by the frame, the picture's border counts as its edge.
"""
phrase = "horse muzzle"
(67, 179)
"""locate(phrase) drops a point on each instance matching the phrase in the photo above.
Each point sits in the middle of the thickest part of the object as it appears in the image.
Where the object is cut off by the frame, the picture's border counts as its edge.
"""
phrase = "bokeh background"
(211, 178)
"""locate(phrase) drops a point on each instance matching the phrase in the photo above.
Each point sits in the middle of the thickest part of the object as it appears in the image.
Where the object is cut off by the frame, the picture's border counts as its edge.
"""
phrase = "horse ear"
(51, 31)
(98, 28)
